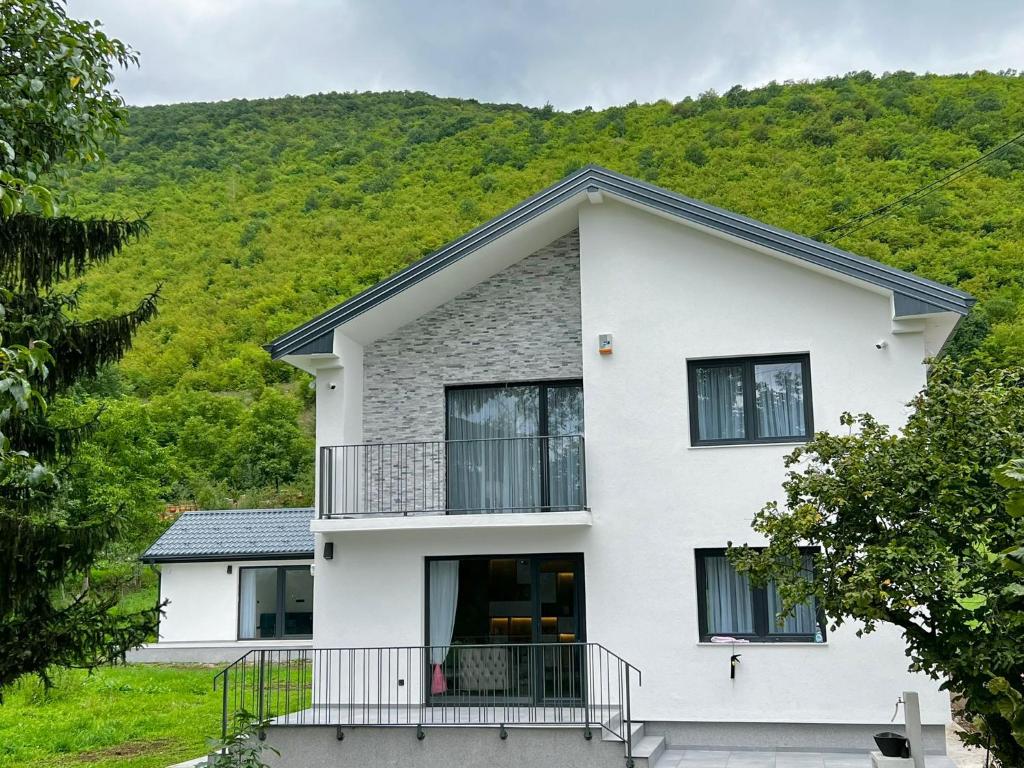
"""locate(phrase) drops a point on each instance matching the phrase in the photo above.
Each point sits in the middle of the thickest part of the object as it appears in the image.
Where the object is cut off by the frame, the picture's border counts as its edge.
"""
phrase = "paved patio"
(707, 758)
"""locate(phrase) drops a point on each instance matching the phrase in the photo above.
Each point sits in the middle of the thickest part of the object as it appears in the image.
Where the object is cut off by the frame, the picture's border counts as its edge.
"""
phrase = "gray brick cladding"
(522, 324)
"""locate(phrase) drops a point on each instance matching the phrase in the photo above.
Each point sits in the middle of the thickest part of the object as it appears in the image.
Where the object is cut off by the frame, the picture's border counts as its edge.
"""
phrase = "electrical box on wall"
(604, 344)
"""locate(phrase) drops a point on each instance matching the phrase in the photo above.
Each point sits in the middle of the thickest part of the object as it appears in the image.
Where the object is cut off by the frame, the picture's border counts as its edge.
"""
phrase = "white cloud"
(570, 53)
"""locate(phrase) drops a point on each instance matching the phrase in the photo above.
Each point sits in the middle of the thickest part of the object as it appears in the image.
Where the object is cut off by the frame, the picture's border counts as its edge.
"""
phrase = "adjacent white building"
(535, 444)
(232, 580)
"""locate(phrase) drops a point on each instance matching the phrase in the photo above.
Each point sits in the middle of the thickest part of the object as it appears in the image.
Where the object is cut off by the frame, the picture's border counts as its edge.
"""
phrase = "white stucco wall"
(669, 293)
(203, 600)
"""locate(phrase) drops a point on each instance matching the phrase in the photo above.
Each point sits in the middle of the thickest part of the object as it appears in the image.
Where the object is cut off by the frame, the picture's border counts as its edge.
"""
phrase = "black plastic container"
(892, 744)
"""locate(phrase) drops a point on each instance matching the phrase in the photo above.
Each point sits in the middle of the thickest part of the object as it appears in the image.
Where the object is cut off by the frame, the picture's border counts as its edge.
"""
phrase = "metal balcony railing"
(514, 474)
(485, 685)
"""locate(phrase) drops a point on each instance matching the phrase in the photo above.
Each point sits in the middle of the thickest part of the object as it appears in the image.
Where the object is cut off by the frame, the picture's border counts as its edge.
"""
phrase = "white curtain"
(488, 473)
(565, 453)
(804, 620)
(247, 604)
(728, 598)
(780, 400)
(720, 402)
(444, 598)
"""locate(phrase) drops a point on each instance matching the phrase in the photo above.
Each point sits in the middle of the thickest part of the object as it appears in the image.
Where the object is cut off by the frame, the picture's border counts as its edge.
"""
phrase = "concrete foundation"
(314, 747)
(817, 737)
(203, 653)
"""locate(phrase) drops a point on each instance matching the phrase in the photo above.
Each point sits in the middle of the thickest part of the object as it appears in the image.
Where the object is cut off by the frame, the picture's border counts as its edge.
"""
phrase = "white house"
(533, 446)
(233, 580)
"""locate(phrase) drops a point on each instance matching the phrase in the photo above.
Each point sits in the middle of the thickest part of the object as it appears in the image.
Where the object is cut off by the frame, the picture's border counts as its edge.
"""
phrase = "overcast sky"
(570, 54)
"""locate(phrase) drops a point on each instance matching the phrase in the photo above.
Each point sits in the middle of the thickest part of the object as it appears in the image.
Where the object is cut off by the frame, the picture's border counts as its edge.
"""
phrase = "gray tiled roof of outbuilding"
(222, 534)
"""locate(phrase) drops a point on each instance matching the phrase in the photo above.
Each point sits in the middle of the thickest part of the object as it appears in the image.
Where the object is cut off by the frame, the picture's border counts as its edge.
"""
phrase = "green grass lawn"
(134, 716)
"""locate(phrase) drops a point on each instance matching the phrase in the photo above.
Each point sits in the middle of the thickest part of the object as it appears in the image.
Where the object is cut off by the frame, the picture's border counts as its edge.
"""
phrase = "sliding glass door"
(505, 627)
(515, 448)
(275, 602)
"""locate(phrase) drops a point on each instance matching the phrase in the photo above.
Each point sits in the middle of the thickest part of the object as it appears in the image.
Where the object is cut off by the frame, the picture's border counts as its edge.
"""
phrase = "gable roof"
(913, 295)
(226, 534)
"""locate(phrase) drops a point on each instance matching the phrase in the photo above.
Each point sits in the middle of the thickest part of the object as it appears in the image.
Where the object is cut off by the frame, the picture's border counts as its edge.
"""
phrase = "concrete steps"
(648, 751)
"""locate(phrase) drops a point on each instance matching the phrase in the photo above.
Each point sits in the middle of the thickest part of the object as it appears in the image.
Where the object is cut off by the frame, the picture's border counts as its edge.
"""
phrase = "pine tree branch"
(37, 252)
(85, 348)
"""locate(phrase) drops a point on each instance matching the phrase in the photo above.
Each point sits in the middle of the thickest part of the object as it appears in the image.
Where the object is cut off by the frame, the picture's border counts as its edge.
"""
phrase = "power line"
(866, 219)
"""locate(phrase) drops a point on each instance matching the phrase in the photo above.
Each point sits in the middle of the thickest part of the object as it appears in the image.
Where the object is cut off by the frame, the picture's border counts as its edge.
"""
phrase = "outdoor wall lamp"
(329, 550)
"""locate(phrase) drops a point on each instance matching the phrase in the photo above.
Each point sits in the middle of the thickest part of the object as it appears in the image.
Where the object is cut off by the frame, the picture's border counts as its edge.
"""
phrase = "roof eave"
(312, 336)
(224, 557)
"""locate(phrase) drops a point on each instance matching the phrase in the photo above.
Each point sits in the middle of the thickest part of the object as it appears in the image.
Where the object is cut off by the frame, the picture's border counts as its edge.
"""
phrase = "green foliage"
(268, 448)
(264, 213)
(56, 105)
(922, 529)
(242, 747)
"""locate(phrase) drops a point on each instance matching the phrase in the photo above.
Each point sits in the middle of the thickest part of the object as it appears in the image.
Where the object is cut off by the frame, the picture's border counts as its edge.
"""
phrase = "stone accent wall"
(522, 324)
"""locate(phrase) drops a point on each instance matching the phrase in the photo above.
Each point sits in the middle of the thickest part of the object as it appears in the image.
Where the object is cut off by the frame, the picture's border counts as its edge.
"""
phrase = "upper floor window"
(750, 399)
(729, 605)
(515, 447)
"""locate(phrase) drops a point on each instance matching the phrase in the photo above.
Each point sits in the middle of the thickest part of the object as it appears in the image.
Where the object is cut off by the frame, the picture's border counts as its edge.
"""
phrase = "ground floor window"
(730, 605)
(275, 602)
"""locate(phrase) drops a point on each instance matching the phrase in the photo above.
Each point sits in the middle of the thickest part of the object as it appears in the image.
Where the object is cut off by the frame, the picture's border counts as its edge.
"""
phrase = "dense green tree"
(921, 529)
(269, 449)
(55, 98)
(50, 536)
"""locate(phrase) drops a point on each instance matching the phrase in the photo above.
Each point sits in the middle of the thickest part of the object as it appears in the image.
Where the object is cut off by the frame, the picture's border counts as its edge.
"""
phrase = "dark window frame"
(543, 426)
(535, 598)
(534, 557)
(279, 611)
(540, 384)
(749, 397)
(759, 607)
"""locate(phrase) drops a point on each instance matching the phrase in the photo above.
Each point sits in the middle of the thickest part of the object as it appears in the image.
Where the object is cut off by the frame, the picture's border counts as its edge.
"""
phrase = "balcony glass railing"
(515, 474)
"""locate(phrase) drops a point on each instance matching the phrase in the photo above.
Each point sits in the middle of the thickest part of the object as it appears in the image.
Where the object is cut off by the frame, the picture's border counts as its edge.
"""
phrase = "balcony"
(512, 476)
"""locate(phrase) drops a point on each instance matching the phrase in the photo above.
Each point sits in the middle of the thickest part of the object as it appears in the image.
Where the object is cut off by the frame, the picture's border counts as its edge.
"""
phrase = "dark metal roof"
(915, 295)
(223, 534)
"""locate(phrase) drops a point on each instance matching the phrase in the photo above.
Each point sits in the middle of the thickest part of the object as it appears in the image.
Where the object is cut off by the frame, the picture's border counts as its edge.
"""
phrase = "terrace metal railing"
(515, 474)
(485, 685)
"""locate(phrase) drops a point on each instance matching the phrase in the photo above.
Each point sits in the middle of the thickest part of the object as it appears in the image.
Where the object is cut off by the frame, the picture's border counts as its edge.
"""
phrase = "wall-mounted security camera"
(332, 385)
(881, 344)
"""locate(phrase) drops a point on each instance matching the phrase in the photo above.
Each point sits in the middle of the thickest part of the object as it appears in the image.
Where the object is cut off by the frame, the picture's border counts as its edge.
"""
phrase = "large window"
(515, 447)
(504, 626)
(750, 400)
(275, 602)
(730, 606)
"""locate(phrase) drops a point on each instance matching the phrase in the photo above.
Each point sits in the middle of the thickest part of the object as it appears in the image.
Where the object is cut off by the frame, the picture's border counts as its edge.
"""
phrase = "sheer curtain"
(780, 400)
(488, 474)
(728, 598)
(444, 600)
(565, 452)
(720, 402)
(804, 620)
(247, 604)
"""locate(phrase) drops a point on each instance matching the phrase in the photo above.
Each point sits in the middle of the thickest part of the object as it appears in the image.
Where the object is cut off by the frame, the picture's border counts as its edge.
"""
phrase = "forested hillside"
(264, 213)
